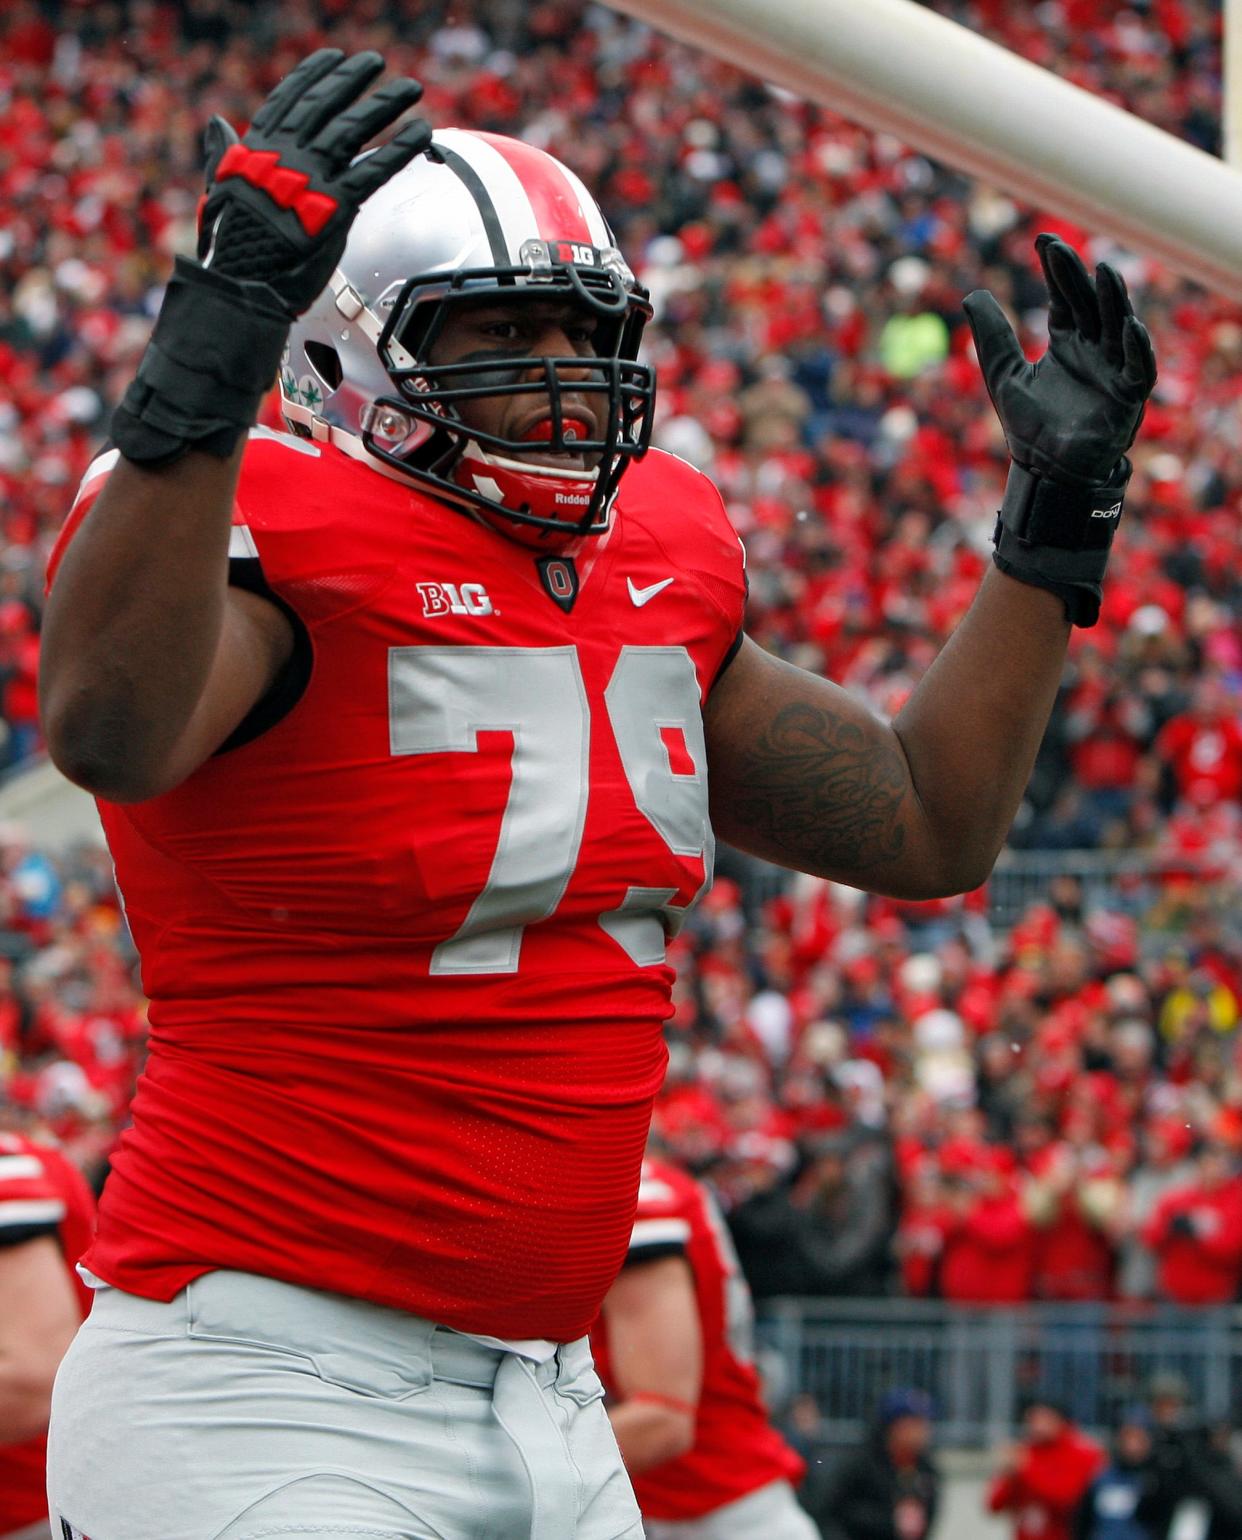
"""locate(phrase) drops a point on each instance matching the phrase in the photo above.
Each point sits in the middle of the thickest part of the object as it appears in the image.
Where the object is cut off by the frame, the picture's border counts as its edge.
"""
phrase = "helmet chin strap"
(353, 308)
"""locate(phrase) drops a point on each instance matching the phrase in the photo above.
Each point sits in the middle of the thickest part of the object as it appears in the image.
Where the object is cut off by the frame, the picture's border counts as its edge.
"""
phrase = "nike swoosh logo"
(641, 595)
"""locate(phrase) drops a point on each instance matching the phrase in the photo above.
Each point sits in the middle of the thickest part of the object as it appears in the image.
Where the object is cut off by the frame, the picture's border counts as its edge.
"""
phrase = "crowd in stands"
(910, 1097)
(1166, 1473)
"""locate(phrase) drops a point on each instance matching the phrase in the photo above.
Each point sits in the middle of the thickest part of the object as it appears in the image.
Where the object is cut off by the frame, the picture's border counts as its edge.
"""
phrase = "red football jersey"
(405, 949)
(736, 1450)
(41, 1193)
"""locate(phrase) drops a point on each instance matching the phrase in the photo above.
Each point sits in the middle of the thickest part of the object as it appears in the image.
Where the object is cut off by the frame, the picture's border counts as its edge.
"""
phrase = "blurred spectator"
(1041, 1481)
(827, 1231)
(889, 1489)
(1072, 1195)
(1166, 1167)
(1197, 1489)
(989, 1241)
(1196, 1234)
(1109, 1509)
(1203, 747)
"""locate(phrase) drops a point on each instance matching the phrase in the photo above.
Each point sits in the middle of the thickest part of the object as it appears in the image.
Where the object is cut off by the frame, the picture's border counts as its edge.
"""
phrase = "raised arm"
(804, 775)
(149, 660)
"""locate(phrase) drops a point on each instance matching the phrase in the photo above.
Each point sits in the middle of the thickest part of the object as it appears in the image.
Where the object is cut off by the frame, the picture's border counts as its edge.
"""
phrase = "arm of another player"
(38, 1318)
(149, 661)
(655, 1347)
(805, 776)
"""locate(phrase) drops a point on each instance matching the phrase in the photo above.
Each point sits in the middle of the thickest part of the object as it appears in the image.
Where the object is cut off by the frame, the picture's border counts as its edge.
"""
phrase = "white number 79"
(441, 698)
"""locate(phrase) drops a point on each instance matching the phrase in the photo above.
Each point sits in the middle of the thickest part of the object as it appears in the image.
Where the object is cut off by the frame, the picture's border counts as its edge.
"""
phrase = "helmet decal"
(475, 186)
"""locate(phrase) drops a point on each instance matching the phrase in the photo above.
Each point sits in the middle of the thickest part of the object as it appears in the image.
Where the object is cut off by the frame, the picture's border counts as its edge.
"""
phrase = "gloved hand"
(1068, 420)
(279, 204)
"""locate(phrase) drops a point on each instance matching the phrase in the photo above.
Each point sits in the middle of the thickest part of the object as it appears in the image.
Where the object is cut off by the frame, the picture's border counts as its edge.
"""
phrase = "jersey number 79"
(441, 698)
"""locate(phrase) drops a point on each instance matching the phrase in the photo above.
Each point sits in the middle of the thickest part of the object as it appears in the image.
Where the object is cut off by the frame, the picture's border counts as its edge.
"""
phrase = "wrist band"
(1044, 512)
(654, 1398)
(214, 353)
(1056, 536)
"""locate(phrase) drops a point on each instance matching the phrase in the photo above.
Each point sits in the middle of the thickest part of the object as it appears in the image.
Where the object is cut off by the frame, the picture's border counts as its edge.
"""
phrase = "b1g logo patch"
(67, 1532)
(454, 599)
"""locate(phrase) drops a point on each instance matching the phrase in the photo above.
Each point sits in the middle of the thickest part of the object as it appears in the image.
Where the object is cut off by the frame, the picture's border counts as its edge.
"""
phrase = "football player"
(47, 1213)
(401, 726)
(673, 1347)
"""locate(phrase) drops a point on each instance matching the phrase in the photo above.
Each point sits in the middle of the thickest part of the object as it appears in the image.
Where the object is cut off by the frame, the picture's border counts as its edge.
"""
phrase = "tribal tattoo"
(812, 784)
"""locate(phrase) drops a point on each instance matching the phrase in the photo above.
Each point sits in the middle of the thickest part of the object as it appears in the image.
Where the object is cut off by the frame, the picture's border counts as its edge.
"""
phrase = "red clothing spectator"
(988, 1249)
(1203, 747)
(1196, 1233)
(925, 1221)
(1070, 1197)
(1044, 1478)
(1105, 730)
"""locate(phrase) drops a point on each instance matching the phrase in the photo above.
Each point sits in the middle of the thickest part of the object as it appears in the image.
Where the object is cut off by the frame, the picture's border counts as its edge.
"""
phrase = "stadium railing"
(980, 1363)
(1127, 882)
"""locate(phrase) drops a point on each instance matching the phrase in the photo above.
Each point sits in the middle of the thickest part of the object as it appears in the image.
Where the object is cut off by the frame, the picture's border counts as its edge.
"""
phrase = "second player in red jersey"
(47, 1213)
(681, 1298)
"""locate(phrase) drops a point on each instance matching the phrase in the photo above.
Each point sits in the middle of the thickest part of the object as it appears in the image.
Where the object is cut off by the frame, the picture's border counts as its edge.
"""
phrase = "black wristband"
(215, 351)
(1056, 536)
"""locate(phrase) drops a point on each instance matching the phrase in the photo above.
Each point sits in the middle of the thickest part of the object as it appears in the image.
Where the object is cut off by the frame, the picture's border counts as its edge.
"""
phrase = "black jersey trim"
(289, 686)
(17, 1235)
(656, 1252)
(735, 646)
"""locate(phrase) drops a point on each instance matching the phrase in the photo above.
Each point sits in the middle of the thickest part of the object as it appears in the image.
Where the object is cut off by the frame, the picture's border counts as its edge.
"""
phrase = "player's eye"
(503, 330)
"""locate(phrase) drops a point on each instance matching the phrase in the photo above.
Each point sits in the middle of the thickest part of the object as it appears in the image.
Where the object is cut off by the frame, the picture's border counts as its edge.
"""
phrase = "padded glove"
(279, 203)
(1068, 420)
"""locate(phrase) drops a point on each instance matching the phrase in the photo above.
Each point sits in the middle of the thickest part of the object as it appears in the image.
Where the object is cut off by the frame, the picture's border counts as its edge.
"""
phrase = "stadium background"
(967, 1103)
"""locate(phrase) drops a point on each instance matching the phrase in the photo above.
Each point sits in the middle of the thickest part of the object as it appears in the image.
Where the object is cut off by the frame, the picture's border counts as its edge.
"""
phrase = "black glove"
(279, 204)
(1068, 421)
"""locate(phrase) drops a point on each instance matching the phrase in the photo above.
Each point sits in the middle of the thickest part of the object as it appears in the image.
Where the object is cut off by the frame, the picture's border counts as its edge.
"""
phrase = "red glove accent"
(288, 189)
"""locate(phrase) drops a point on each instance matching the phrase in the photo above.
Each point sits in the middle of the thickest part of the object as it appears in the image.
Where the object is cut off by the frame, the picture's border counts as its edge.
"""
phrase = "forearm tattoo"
(814, 786)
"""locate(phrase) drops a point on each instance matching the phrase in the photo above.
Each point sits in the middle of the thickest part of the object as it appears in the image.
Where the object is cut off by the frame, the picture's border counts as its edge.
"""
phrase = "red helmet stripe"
(558, 210)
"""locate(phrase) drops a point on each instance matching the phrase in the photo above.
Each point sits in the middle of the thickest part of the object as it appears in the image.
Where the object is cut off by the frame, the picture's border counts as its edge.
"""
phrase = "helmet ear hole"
(326, 362)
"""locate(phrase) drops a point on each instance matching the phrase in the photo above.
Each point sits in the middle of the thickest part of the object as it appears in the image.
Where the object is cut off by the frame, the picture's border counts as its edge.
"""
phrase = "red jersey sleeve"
(268, 481)
(31, 1202)
(661, 1224)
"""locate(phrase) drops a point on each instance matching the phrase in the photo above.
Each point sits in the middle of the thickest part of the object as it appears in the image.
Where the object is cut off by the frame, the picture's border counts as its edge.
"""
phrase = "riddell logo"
(454, 599)
(578, 499)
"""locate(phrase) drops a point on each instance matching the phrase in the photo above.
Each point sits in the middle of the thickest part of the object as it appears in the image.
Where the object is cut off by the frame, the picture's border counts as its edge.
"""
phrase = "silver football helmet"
(479, 217)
